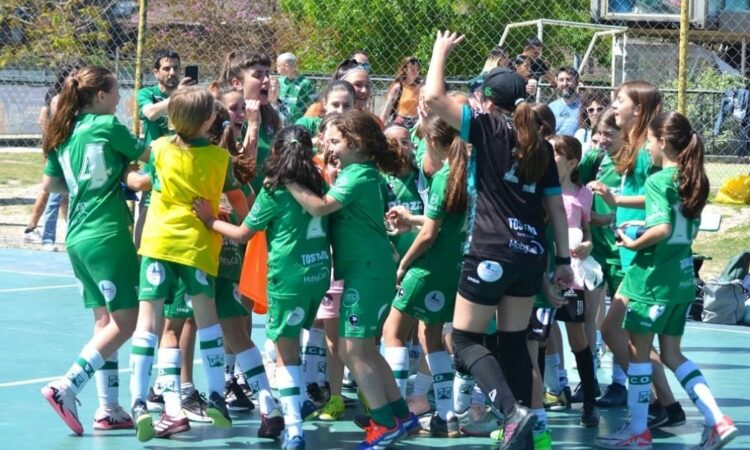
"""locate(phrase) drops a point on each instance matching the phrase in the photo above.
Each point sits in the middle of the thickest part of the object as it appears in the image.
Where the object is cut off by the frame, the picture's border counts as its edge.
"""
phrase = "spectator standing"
(295, 91)
(567, 108)
(539, 68)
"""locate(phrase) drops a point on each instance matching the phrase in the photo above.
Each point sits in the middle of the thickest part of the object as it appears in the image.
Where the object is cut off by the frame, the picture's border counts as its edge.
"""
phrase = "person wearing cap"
(567, 108)
(539, 68)
(512, 179)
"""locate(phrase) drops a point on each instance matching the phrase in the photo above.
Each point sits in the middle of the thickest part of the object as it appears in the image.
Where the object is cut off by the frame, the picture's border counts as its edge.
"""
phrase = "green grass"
(721, 247)
(20, 169)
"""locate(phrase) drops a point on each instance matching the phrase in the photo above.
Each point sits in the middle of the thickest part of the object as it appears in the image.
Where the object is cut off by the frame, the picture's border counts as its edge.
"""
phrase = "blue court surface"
(45, 326)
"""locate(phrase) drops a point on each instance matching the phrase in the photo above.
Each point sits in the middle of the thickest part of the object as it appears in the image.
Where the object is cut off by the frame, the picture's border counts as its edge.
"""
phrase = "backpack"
(724, 298)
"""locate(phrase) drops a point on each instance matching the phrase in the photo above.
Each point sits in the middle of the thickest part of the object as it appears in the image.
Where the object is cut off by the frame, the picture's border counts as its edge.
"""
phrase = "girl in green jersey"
(660, 286)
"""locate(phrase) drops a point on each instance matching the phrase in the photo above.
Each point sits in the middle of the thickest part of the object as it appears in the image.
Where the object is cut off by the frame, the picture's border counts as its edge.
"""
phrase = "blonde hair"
(189, 108)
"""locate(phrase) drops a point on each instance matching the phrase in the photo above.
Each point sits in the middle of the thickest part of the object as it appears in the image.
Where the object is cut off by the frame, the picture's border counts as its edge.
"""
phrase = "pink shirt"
(578, 211)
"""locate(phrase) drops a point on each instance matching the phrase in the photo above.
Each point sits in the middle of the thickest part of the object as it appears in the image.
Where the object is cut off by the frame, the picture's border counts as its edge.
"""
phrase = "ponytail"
(693, 183)
(531, 152)
(456, 196)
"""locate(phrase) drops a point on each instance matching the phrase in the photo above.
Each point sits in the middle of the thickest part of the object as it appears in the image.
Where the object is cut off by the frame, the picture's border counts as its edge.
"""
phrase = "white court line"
(40, 288)
(43, 274)
(196, 362)
(728, 330)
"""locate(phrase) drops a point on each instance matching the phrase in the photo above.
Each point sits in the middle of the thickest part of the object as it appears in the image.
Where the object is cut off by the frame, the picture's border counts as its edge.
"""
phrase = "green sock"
(400, 409)
(383, 416)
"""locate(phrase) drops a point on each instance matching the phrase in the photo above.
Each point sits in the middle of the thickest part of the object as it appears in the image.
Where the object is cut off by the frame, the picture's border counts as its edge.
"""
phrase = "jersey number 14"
(93, 169)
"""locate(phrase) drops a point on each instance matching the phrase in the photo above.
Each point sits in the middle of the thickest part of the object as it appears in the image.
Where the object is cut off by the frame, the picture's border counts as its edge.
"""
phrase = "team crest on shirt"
(295, 317)
(400, 292)
(155, 273)
(434, 301)
(489, 271)
(108, 290)
(353, 321)
(201, 277)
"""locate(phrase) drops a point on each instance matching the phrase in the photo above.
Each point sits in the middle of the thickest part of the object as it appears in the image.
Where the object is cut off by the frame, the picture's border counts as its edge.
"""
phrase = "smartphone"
(192, 73)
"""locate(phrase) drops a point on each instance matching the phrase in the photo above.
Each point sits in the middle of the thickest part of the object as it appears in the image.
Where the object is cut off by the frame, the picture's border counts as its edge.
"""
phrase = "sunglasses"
(414, 61)
(597, 109)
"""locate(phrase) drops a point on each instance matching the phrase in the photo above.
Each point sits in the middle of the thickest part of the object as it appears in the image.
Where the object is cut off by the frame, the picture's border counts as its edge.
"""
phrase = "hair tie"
(293, 141)
(519, 101)
(226, 124)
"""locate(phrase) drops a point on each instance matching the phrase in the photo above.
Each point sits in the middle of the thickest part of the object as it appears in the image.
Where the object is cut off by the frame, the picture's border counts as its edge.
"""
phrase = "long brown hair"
(361, 131)
(648, 98)
(546, 119)
(221, 133)
(531, 151)
(77, 92)
(569, 148)
(687, 151)
(447, 138)
(291, 161)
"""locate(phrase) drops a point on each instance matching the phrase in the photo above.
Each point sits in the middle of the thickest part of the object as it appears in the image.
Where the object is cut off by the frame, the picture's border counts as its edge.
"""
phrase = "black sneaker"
(615, 395)
(589, 416)
(194, 406)
(657, 415)
(444, 428)
(217, 411)
(577, 396)
(517, 429)
(676, 415)
(154, 402)
(316, 395)
(236, 398)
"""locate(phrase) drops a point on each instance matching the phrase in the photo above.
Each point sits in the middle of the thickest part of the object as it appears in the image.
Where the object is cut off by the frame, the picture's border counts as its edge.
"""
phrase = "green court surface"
(45, 325)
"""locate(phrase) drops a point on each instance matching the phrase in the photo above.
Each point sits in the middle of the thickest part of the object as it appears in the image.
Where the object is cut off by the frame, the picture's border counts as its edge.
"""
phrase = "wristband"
(559, 261)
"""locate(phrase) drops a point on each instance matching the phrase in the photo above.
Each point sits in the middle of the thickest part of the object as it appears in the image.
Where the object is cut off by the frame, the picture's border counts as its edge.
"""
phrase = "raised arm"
(434, 89)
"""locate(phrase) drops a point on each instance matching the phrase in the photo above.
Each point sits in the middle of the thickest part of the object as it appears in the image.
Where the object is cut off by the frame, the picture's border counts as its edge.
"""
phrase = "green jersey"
(632, 184)
(443, 259)
(230, 258)
(663, 273)
(311, 124)
(265, 138)
(360, 243)
(299, 254)
(92, 161)
(605, 247)
(402, 191)
(296, 95)
(152, 129)
(420, 146)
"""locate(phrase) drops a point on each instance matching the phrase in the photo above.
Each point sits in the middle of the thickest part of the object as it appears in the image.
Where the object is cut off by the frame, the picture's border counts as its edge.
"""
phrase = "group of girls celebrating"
(462, 225)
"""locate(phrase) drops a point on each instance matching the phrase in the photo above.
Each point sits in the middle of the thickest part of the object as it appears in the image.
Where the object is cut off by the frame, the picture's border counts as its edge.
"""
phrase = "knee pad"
(468, 349)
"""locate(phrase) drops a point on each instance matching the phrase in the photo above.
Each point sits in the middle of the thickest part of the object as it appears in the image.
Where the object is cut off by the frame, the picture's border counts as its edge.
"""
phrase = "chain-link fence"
(608, 41)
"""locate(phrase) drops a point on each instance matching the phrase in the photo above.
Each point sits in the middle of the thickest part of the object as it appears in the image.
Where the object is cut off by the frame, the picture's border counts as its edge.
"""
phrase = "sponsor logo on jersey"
(353, 321)
(295, 317)
(323, 275)
(489, 271)
(400, 293)
(201, 277)
(472, 279)
(351, 297)
(108, 290)
(521, 228)
(155, 273)
(532, 248)
(434, 301)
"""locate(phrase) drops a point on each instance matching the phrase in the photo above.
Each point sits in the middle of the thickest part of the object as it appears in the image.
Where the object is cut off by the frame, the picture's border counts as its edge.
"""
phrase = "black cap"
(476, 82)
(504, 87)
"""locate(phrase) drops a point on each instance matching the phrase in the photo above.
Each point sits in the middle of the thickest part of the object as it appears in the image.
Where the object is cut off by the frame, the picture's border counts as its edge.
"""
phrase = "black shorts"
(485, 281)
(540, 323)
(574, 309)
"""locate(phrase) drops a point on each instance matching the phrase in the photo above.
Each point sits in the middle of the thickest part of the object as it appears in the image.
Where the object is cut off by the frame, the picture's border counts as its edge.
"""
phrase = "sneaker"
(543, 440)
(717, 436)
(411, 424)
(418, 404)
(624, 438)
(168, 425)
(217, 411)
(308, 410)
(236, 398)
(577, 396)
(517, 429)
(49, 247)
(293, 443)
(315, 394)
(589, 416)
(676, 415)
(478, 421)
(378, 437)
(615, 395)
(559, 402)
(144, 424)
(63, 401)
(32, 236)
(333, 410)
(657, 415)
(271, 424)
(444, 428)
(362, 421)
(155, 402)
(194, 407)
(112, 418)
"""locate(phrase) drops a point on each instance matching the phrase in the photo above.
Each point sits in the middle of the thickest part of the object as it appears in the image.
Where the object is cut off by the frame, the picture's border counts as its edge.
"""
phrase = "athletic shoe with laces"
(293, 443)
(517, 429)
(144, 423)
(623, 438)
(217, 411)
(112, 418)
(168, 425)
(333, 410)
(308, 410)
(194, 407)
(543, 440)
(411, 424)
(315, 394)
(418, 404)
(271, 424)
(378, 437)
(559, 402)
(589, 416)
(154, 402)
(63, 401)
(236, 398)
(670, 416)
(717, 436)
(32, 236)
(615, 395)
(444, 428)
(478, 421)
(577, 396)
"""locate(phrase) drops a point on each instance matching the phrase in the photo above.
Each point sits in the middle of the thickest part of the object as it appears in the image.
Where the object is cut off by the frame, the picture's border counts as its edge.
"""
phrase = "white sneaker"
(63, 402)
(717, 436)
(623, 438)
(33, 236)
(49, 247)
(112, 418)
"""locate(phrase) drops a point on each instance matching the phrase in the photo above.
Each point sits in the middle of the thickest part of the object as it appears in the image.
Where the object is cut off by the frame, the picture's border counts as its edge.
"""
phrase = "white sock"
(398, 359)
(187, 390)
(170, 362)
(695, 384)
(415, 352)
(141, 358)
(212, 353)
(314, 354)
(551, 373)
(252, 364)
(108, 382)
(229, 366)
(422, 384)
(463, 387)
(88, 362)
(618, 375)
(442, 381)
(639, 394)
(289, 382)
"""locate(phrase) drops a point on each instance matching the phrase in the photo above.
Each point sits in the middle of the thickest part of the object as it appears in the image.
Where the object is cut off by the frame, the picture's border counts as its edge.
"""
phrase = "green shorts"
(364, 306)
(104, 281)
(647, 318)
(288, 314)
(613, 275)
(160, 278)
(229, 299)
(178, 304)
(429, 299)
